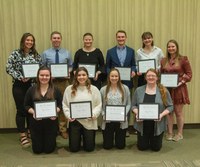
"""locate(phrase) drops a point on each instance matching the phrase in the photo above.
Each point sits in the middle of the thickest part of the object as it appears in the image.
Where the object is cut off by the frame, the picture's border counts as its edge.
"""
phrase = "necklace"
(151, 90)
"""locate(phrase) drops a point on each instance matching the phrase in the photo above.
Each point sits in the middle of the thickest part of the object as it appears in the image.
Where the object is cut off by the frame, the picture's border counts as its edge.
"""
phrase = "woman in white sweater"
(81, 90)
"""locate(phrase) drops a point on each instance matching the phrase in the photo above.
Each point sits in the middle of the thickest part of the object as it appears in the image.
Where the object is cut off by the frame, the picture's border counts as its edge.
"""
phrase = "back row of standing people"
(118, 56)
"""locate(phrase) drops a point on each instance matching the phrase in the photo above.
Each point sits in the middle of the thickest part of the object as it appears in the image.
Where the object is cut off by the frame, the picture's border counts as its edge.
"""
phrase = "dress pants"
(19, 90)
(114, 134)
(43, 135)
(148, 140)
(77, 133)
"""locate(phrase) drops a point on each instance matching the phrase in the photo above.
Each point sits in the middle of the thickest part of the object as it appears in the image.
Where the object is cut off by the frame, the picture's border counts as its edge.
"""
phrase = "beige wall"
(166, 19)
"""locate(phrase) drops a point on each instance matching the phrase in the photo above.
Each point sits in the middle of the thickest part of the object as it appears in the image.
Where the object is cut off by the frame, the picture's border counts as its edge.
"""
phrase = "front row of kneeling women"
(82, 131)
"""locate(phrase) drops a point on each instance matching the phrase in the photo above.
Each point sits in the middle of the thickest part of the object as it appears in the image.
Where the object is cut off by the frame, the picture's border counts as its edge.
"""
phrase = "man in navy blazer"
(121, 56)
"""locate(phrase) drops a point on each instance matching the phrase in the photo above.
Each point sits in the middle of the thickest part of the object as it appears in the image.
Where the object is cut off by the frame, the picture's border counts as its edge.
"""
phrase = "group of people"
(79, 87)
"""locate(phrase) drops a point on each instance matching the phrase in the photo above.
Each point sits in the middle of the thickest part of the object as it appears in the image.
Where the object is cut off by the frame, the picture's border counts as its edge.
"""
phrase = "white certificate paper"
(30, 70)
(125, 73)
(148, 111)
(91, 68)
(81, 109)
(144, 65)
(45, 109)
(169, 80)
(59, 70)
(115, 113)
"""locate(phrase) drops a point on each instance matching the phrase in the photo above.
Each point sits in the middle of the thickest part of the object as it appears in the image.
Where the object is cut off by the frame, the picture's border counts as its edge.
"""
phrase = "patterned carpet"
(174, 163)
(173, 154)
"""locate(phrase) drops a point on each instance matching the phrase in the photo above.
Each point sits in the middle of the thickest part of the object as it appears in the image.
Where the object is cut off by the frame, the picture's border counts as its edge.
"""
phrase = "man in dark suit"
(121, 56)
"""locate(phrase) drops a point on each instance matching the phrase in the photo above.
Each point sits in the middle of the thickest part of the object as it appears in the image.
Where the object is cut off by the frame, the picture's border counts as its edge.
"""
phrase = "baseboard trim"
(186, 126)
(8, 130)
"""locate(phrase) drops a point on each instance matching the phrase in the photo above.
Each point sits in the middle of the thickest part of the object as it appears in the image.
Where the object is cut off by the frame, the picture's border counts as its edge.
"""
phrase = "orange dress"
(179, 94)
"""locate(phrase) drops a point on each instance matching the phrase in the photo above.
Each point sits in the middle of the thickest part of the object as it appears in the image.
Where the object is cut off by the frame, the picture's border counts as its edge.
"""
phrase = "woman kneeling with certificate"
(116, 105)
(82, 105)
(43, 101)
(151, 103)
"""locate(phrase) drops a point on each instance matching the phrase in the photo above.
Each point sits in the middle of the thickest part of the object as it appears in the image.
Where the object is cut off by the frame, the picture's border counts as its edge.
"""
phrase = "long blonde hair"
(168, 56)
(119, 85)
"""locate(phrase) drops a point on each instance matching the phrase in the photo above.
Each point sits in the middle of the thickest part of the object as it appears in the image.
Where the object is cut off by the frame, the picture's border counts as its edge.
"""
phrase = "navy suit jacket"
(112, 61)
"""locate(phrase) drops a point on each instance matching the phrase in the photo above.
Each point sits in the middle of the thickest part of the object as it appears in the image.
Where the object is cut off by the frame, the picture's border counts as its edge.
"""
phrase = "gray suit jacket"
(138, 97)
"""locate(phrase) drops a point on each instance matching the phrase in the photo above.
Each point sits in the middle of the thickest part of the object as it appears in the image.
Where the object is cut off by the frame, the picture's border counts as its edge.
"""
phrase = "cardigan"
(138, 97)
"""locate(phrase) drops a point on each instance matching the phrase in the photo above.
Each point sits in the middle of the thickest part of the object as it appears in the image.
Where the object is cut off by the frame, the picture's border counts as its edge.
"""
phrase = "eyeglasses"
(152, 76)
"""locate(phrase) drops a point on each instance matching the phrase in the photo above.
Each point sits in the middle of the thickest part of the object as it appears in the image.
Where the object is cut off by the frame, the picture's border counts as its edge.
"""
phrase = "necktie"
(57, 56)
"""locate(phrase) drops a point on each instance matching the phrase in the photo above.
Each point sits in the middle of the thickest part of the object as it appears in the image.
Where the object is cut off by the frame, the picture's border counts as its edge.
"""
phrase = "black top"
(149, 98)
(94, 57)
(30, 99)
(148, 125)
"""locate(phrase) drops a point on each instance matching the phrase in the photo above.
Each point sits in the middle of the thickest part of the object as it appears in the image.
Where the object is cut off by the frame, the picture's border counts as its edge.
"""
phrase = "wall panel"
(166, 19)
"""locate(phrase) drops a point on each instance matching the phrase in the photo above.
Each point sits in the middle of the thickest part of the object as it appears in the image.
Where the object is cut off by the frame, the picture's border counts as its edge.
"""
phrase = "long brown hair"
(119, 85)
(50, 91)
(163, 90)
(22, 44)
(168, 56)
(76, 83)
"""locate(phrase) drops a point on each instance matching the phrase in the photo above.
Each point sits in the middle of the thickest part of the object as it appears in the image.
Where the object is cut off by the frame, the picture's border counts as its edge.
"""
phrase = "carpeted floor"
(185, 153)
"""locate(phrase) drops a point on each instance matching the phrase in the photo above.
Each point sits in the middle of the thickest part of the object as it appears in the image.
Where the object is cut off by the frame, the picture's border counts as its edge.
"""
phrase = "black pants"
(22, 117)
(43, 135)
(77, 133)
(113, 133)
(148, 140)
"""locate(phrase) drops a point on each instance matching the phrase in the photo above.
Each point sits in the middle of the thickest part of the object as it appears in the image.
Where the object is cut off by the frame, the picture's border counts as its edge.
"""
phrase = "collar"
(121, 47)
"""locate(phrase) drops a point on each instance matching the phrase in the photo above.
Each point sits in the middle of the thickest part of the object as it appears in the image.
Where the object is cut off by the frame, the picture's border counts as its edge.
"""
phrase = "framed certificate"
(148, 111)
(59, 70)
(30, 70)
(169, 80)
(81, 109)
(45, 109)
(115, 113)
(125, 73)
(144, 65)
(91, 68)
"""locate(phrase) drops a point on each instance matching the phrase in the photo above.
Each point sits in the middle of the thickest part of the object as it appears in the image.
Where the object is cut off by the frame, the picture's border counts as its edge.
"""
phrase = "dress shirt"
(156, 54)
(121, 53)
(48, 56)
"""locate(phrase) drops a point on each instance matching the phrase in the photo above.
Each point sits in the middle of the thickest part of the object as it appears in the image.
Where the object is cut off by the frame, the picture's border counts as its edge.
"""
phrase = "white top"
(82, 94)
(156, 54)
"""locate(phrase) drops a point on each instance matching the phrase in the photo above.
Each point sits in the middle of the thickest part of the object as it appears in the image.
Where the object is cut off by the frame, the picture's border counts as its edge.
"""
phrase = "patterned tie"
(57, 56)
